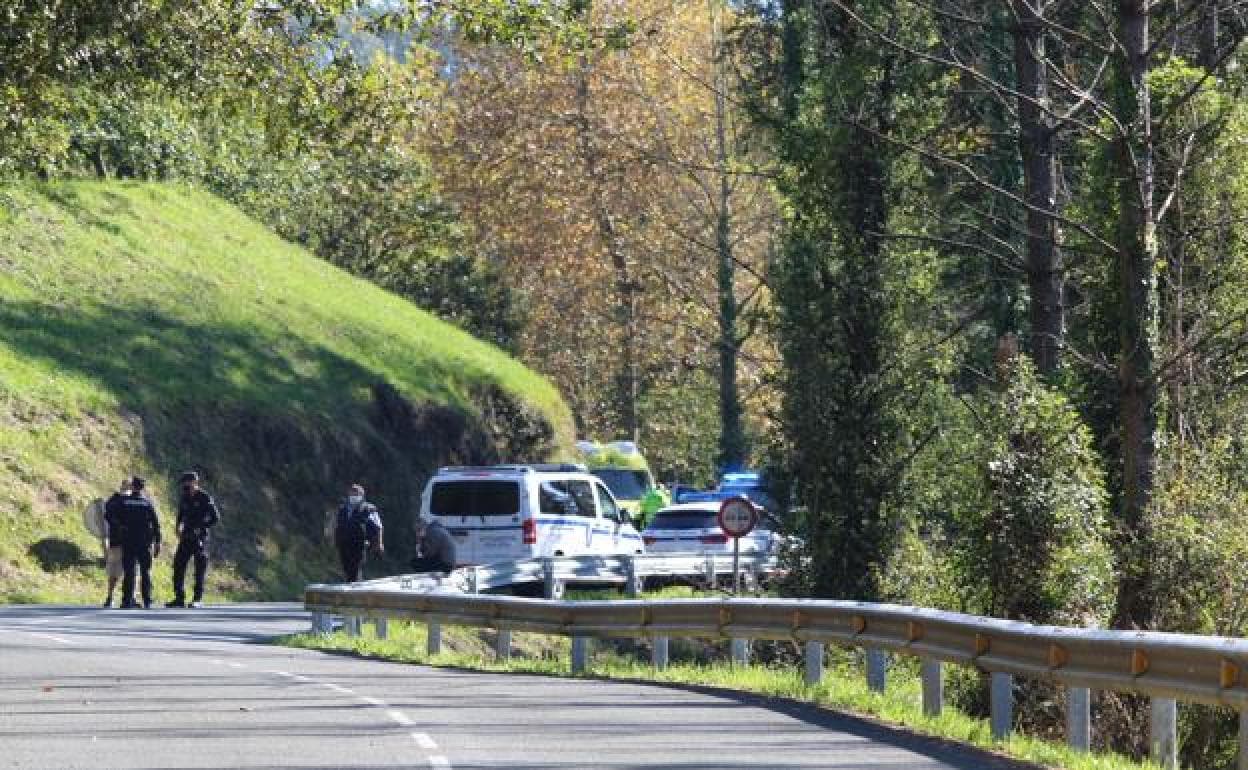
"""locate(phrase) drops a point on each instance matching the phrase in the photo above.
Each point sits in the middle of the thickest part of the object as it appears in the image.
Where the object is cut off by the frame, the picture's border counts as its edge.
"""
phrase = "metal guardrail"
(555, 573)
(1166, 667)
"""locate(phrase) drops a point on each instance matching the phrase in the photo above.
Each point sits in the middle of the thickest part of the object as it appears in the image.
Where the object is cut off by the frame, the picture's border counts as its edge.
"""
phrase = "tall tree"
(833, 98)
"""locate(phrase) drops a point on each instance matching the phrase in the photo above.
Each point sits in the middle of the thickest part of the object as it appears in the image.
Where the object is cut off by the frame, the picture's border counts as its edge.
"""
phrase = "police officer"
(133, 519)
(197, 514)
(357, 526)
(437, 546)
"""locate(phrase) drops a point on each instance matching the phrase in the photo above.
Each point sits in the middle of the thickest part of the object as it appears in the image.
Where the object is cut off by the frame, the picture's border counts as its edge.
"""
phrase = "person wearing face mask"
(357, 528)
(197, 514)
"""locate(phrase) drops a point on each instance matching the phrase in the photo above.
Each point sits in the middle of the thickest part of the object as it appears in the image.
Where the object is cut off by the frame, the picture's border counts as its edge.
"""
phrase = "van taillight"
(529, 528)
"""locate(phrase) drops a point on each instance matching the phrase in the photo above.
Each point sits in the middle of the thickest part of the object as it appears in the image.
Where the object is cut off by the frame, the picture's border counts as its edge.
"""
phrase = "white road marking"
(50, 637)
(437, 762)
(59, 617)
(424, 741)
(400, 717)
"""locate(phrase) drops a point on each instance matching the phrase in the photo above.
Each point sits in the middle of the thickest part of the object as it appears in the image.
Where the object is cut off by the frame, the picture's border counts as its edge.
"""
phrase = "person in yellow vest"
(654, 500)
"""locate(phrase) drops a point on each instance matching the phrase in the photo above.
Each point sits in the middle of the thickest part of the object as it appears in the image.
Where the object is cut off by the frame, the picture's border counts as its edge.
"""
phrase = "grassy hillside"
(150, 328)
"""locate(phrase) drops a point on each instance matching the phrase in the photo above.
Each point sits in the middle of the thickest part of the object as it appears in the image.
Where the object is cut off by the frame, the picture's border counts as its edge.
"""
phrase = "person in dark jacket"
(197, 514)
(113, 568)
(437, 546)
(133, 519)
(357, 528)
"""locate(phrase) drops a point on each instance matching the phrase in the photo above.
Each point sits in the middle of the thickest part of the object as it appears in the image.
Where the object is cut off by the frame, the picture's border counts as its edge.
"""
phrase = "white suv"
(506, 512)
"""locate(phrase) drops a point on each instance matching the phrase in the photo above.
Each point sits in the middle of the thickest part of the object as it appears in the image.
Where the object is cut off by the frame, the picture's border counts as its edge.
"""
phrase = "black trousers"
(189, 548)
(352, 558)
(422, 564)
(135, 557)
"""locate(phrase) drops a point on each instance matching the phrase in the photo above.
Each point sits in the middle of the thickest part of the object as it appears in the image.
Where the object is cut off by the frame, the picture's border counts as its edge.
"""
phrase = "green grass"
(147, 328)
(844, 686)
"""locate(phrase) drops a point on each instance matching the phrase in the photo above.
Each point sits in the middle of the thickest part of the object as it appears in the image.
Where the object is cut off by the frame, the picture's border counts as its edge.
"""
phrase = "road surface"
(91, 688)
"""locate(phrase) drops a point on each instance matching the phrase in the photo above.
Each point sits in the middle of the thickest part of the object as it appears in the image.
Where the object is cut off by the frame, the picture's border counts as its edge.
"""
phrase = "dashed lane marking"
(424, 741)
(400, 717)
(436, 762)
(52, 638)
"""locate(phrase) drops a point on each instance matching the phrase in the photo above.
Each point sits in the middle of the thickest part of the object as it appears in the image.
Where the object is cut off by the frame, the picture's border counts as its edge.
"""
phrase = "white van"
(507, 512)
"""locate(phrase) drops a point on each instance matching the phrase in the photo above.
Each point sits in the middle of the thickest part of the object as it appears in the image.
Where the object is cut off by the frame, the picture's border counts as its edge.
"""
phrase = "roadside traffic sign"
(737, 517)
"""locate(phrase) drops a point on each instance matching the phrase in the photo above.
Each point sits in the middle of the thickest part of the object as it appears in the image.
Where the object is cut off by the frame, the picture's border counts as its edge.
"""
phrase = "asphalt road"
(89, 688)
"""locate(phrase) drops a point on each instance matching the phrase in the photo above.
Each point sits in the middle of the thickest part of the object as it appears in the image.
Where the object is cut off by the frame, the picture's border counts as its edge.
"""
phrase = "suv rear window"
(684, 521)
(475, 498)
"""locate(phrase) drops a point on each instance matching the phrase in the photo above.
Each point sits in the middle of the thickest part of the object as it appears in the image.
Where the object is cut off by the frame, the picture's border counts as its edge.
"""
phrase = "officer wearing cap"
(197, 514)
(133, 519)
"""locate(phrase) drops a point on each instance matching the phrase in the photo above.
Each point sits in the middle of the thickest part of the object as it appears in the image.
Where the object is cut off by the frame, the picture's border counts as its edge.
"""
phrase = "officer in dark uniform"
(357, 528)
(133, 518)
(197, 514)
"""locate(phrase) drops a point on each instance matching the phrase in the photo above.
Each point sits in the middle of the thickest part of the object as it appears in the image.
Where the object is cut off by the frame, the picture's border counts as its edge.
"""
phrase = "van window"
(583, 493)
(624, 484)
(567, 498)
(609, 508)
(475, 498)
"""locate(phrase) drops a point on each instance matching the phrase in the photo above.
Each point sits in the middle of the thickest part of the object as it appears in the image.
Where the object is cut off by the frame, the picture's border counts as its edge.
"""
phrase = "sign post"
(737, 518)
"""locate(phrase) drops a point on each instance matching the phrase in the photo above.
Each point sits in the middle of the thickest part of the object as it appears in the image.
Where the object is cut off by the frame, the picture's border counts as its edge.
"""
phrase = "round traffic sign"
(737, 516)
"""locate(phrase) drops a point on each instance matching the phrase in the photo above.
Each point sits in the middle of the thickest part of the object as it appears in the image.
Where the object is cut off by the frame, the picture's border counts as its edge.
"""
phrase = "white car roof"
(705, 506)
(508, 474)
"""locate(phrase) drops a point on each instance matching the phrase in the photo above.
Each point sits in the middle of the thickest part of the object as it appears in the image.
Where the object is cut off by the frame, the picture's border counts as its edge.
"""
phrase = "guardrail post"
(1163, 728)
(877, 670)
(474, 581)
(1079, 718)
(933, 686)
(740, 652)
(320, 623)
(659, 652)
(552, 587)
(630, 571)
(502, 645)
(433, 642)
(580, 654)
(1002, 705)
(814, 662)
(381, 628)
(709, 568)
(351, 624)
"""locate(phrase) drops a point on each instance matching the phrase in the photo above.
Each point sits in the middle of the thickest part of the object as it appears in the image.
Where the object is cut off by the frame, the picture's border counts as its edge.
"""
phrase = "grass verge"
(148, 328)
(844, 687)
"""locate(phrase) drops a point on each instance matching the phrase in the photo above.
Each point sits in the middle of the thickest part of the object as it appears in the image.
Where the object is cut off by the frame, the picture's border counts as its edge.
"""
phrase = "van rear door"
(483, 515)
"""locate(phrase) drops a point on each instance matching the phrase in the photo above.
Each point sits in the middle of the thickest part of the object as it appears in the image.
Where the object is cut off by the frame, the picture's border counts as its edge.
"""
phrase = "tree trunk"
(732, 445)
(1209, 33)
(1139, 308)
(1037, 144)
(626, 288)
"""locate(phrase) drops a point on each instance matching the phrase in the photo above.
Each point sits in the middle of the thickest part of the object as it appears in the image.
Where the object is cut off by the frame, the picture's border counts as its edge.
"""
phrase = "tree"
(598, 177)
(832, 97)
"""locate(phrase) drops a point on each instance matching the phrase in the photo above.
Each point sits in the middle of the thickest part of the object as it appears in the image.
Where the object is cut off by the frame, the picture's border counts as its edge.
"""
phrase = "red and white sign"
(737, 517)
